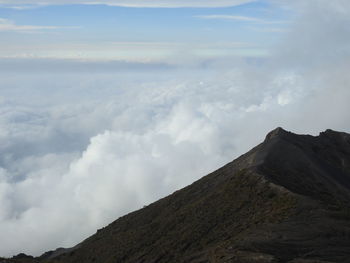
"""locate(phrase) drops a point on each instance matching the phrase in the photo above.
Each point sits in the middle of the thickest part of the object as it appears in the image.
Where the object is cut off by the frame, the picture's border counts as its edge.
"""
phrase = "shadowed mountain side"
(286, 200)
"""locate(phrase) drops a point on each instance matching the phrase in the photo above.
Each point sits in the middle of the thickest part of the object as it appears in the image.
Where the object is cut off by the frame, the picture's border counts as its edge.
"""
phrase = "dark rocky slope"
(286, 200)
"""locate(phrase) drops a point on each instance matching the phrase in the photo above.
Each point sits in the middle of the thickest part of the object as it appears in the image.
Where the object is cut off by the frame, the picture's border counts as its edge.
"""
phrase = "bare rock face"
(286, 200)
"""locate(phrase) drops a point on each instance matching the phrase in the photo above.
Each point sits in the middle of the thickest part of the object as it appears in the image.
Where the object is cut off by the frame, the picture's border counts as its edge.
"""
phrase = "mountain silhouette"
(286, 200)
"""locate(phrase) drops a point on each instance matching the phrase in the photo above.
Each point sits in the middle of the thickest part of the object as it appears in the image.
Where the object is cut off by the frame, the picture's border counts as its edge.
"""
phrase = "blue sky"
(128, 33)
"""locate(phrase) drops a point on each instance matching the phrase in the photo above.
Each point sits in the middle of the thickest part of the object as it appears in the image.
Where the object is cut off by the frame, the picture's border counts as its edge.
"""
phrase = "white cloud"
(129, 142)
(321, 33)
(132, 3)
(242, 19)
(261, 25)
(121, 54)
(231, 17)
(9, 25)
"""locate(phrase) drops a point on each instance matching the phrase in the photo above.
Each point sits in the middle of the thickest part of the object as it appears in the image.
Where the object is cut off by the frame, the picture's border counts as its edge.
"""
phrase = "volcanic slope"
(286, 200)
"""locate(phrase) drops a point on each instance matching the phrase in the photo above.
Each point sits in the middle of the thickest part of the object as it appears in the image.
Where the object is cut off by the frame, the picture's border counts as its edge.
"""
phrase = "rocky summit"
(286, 200)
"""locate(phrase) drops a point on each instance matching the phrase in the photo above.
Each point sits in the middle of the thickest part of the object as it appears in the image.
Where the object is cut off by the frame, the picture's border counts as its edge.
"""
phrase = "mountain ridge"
(286, 200)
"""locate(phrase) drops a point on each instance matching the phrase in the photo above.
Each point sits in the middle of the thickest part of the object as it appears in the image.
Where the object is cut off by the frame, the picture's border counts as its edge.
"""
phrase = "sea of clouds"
(79, 149)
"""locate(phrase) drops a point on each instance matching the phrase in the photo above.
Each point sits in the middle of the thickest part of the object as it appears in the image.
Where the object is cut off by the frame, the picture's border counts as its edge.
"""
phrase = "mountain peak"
(278, 132)
(336, 134)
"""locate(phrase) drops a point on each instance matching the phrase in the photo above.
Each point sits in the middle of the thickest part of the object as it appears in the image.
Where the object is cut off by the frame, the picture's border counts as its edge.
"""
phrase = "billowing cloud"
(80, 150)
(321, 34)
(132, 3)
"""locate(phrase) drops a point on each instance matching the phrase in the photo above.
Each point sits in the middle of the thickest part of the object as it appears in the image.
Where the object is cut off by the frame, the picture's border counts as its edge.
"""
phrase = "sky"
(141, 33)
(108, 106)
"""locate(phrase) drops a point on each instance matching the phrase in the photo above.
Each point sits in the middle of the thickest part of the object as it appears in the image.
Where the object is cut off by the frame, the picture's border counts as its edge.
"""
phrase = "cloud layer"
(133, 3)
(79, 150)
